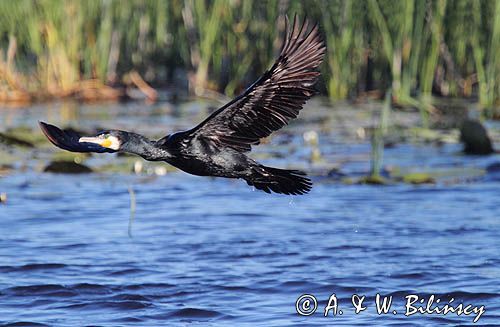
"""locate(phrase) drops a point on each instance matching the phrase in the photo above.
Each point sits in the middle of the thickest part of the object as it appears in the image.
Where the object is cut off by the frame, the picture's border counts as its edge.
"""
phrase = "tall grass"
(345, 37)
(417, 48)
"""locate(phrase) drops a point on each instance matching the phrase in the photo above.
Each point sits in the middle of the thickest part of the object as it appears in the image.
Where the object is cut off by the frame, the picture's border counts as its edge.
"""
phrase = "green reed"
(377, 153)
(416, 48)
(345, 37)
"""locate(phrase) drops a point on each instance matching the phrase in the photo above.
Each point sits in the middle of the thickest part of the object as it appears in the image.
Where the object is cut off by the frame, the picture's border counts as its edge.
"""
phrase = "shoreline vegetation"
(97, 50)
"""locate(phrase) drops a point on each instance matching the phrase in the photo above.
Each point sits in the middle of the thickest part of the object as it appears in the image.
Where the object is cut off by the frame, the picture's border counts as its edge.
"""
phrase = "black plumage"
(217, 146)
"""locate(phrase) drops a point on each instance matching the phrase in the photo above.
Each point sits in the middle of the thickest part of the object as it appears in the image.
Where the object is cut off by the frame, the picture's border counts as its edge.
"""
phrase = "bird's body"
(201, 158)
(218, 145)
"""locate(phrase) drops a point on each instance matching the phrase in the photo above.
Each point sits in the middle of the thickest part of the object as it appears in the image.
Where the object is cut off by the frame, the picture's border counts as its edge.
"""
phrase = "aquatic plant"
(416, 48)
(345, 37)
(377, 154)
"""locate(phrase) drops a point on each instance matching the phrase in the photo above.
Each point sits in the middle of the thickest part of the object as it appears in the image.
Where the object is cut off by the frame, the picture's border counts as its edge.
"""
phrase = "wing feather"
(274, 99)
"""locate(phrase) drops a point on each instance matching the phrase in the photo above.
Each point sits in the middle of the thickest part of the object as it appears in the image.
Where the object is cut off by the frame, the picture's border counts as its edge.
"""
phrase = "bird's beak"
(106, 143)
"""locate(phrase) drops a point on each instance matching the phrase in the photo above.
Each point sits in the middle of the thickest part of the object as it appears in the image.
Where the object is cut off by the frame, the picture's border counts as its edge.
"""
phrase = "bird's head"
(107, 141)
(114, 140)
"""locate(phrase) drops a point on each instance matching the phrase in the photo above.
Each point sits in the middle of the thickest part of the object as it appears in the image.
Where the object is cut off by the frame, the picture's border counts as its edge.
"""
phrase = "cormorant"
(217, 146)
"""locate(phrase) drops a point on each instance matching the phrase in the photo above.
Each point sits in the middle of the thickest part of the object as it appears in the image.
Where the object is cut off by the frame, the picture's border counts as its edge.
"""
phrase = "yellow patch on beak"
(106, 143)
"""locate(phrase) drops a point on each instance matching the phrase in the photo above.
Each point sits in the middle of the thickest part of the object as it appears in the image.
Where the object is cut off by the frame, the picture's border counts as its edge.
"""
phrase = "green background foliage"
(416, 48)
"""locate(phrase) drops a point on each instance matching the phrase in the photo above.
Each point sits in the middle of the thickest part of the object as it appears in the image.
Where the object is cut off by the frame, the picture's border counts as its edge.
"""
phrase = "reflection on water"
(214, 252)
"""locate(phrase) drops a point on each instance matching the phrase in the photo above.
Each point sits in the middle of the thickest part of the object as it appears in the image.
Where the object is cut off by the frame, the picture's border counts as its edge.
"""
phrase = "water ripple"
(212, 252)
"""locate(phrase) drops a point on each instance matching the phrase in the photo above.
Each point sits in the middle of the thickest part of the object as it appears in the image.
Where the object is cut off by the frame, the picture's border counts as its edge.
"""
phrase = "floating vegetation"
(22, 136)
(13, 140)
(66, 167)
(374, 180)
(418, 178)
(445, 175)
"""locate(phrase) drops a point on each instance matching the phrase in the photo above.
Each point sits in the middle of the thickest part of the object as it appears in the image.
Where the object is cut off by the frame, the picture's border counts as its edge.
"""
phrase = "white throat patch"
(115, 143)
(111, 142)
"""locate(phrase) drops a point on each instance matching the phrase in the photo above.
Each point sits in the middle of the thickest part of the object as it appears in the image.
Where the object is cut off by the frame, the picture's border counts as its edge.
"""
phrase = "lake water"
(214, 252)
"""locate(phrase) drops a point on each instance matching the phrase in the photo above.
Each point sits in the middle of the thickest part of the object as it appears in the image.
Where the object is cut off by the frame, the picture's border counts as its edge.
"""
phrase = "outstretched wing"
(69, 140)
(274, 99)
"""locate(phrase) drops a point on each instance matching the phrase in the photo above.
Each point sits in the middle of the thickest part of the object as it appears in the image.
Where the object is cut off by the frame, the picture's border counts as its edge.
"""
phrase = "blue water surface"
(213, 252)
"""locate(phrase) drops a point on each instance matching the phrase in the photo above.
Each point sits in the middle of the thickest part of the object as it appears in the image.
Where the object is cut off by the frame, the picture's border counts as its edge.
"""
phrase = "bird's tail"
(267, 179)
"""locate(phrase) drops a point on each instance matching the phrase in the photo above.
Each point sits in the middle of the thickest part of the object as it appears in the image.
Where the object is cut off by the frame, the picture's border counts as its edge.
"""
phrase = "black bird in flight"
(217, 146)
